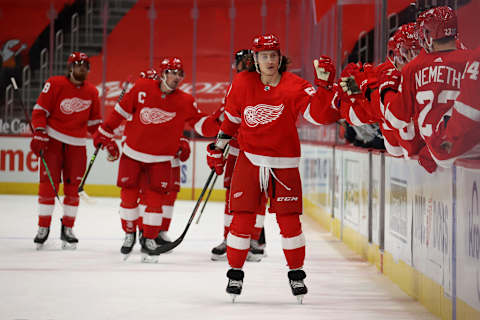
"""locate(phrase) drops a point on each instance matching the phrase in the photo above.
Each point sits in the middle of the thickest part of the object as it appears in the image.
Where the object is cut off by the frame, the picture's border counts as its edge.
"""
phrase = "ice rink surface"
(94, 282)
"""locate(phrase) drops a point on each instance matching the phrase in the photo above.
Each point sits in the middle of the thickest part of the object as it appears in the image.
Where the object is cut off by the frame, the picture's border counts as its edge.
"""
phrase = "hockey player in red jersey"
(67, 108)
(243, 62)
(263, 107)
(431, 83)
(157, 112)
(460, 138)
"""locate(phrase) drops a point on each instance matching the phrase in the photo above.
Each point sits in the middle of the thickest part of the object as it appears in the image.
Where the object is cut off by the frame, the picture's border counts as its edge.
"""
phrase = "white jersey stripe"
(354, 118)
(467, 111)
(199, 124)
(122, 112)
(232, 118)
(39, 107)
(309, 117)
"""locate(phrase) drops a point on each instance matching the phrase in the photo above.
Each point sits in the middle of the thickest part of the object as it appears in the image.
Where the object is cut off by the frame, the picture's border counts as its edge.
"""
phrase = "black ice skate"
(235, 283)
(299, 289)
(128, 244)
(219, 252)
(149, 251)
(41, 237)
(69, 241)
(256, 251)
(162, 238)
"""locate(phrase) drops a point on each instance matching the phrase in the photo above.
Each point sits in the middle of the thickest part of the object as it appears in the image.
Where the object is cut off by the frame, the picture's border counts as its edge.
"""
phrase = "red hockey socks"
(293, 240)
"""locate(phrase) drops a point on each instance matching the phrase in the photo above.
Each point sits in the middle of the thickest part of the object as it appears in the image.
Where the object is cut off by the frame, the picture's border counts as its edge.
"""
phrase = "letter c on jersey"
(141, 97)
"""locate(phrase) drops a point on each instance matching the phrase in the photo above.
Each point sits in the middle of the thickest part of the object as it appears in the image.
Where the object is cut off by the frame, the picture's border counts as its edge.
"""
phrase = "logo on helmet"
(155, 116)
(69, 106)
(261, 114)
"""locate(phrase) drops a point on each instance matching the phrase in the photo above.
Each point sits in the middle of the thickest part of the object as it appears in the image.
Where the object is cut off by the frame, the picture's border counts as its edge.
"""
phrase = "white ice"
(94, 282)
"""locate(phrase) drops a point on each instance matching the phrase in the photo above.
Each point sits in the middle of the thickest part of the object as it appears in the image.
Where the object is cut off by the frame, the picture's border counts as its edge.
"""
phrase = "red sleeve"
(399, 107)
(205, 125)
(45, 104)
(233, 112)
(95, 118)
(322, 108)
(123, 110)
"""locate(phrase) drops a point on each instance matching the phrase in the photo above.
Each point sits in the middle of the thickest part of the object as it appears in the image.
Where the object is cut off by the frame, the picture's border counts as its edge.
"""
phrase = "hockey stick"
(82, 192)
(169, 246)
(15, 89)
(206, 199)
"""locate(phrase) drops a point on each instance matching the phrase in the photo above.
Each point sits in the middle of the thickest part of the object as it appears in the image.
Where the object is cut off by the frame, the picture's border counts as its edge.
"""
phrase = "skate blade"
(39, 246)
(69, 246)
(300, 298)
(233, 297)
(125, 256)
(218, 257)
(149, 259)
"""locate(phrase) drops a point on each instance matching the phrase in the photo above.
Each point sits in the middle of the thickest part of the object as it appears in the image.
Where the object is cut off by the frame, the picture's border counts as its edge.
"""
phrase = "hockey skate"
(149, 254)
(256, 251)
(128, 244)
(299, 289)
(162, 238)
(41, 237)
(235, 283)
(69, 241)
(219, 252)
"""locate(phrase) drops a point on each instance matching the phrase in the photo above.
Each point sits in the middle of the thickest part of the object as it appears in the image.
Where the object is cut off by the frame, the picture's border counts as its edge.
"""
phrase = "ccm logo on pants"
(285, 199)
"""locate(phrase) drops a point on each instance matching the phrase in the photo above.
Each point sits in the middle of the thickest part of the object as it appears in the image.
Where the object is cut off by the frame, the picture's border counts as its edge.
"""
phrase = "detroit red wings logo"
(69, 106)
(261, 114)
(155, 116)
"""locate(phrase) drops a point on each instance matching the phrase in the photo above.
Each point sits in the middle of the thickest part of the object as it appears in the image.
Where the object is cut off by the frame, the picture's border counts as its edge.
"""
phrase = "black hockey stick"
(206, 199)
(15, 89)
(169, 246)
(94, 156)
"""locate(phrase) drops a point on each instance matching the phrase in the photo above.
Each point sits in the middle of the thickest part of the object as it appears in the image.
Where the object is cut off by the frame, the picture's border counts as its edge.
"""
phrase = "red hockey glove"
(368, 80)
(324, 72)
(389, 80)
(102, 136)
(183, 150)
(215, 158)
(219, 114)
(113, 151)
(39, 142)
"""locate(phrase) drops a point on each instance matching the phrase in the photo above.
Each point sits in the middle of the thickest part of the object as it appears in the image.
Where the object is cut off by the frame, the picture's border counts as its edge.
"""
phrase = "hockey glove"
(39, 142)
(183, 150)
(113, 151)
(324, 72)
(215, 158)
(102, 137)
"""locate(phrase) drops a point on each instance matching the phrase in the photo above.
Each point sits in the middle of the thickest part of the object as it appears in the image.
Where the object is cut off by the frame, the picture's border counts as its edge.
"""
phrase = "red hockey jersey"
(265, 116)
(156, 121)
(66, 111)
(430, 85)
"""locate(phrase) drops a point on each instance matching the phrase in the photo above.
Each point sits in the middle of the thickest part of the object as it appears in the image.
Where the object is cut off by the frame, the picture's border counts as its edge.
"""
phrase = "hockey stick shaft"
(206, 199)
(94, 156)
(169, 246)
(15, 89)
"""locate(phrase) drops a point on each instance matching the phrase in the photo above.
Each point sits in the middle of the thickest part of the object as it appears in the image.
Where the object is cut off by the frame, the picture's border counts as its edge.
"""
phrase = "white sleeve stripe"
(39, 107)
(309, 117)
(238, 243)
(293, 242)
(105, 133)
(122, 112)
(354, 118)
(467, 111)
(396, 123)
(199, 124)
(232, 118)
(93, 122)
